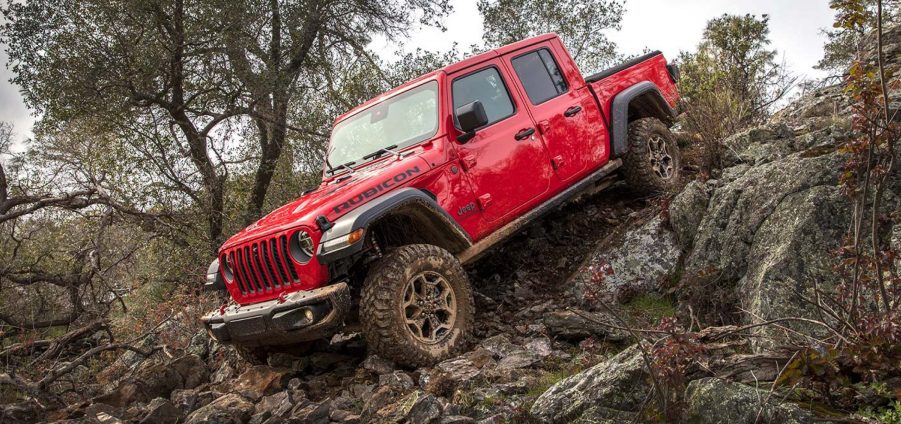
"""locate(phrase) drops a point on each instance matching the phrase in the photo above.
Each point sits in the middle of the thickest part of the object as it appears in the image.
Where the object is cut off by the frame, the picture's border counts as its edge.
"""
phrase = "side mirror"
(470, 117)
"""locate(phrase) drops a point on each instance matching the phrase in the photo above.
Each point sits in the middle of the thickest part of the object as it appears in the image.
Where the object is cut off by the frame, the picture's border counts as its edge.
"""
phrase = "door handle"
(572, 111)
(524, 134)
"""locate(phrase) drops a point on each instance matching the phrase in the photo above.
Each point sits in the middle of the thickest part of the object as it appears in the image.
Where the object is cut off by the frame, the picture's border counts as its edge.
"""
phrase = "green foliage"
(731, 82)
(888, 415)
(581, 25)
(845, 41)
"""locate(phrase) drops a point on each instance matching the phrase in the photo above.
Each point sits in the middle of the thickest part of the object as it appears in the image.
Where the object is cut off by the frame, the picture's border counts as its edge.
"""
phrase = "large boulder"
(711, 400)
(614, 387)
(686, 211)
(644, 257)
(738, 208)
(792, 249)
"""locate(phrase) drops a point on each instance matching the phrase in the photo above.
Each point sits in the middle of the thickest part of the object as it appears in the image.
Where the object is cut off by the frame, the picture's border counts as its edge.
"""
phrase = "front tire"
(417, 306)
(653, 163)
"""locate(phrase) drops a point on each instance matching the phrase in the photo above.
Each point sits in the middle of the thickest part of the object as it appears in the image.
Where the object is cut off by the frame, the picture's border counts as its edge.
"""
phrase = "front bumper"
(296, 317)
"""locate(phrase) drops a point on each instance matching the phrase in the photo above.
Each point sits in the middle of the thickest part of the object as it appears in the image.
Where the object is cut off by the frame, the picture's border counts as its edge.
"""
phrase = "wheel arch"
(642, 100)
(406, 216)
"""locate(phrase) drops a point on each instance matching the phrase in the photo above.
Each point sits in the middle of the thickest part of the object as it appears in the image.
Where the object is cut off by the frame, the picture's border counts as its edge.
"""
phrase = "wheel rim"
(661, 160)
(429, 307)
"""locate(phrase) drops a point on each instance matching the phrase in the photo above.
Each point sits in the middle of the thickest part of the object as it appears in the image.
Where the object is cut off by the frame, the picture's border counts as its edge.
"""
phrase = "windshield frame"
(401, 144)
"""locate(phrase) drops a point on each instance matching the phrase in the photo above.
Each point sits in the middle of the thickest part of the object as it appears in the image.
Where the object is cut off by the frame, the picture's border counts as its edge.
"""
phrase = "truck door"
(565, 111)
(506, 161)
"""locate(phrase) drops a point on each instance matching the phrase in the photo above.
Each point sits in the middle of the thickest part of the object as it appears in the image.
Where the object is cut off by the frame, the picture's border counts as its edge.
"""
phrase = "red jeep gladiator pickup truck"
(422, 180)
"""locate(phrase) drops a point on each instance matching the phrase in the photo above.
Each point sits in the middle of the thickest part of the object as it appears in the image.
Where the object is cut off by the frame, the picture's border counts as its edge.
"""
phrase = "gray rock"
(738, 209)
(711, 400)
(200, 344)
(400, 410)
(518, 359)
(793, 247)
(342, 416)
(499, 345)
(457, 419)
(573, 325)
(619, 383)
(767, 235)
(647, 255)
(397, 380)
(277, 405)
(157, 380)
(228, 409)
(427, 409)
(686, 211)
(188, 400)
(458, 369)
(378, 365)
(162, 411)
(311, 412)
(540, 347)
(760, 144)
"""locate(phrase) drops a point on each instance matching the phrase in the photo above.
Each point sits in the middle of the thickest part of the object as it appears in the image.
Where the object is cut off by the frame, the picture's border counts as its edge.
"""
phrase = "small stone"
(499, 345)
(312, 412)
(425, 410)
(261, 380)
(457, 419)
(378, 365)
(540, 347)
(277, 405)
(518, 359)
(397, 380)
(228, 409)
(162, 411)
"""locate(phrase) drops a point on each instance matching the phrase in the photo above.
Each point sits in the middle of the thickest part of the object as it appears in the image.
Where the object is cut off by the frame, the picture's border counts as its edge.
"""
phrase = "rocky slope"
(744, 247)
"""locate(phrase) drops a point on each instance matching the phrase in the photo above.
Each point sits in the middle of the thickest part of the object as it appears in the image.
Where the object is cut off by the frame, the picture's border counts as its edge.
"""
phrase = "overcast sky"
(666, 25)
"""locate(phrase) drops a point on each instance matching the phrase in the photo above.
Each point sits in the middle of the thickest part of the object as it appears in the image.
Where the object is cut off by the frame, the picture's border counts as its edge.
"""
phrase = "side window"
(540, 76)
(487, 87)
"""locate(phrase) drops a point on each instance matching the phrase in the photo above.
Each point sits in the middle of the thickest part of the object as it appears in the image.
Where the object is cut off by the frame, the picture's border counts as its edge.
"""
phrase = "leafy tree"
(581, 25)
(844, 42)
(176, 79)
(732, 81)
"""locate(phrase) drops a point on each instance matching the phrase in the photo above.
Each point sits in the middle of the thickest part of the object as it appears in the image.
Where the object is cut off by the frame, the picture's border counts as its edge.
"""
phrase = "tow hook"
(282, 298)
(222, 309)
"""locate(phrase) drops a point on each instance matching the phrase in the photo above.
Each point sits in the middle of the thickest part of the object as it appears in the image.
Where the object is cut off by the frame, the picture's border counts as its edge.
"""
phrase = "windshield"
(400, 121)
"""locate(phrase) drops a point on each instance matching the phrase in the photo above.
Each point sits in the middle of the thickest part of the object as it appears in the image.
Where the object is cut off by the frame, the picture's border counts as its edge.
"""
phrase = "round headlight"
(302, 246)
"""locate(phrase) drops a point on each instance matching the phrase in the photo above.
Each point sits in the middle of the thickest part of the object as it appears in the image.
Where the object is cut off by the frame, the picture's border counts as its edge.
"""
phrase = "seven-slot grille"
(262, 266)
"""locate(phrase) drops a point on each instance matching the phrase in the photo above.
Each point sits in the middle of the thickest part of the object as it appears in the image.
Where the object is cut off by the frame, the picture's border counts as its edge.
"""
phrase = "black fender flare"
(658, 108)
(333, 245)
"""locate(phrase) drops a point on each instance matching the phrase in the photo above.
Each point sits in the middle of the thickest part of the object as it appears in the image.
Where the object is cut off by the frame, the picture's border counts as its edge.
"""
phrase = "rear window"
(540, 76)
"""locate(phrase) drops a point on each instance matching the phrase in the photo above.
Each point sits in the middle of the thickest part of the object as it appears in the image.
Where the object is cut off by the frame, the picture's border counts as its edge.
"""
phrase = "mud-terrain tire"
(653, 163)
(401, 306)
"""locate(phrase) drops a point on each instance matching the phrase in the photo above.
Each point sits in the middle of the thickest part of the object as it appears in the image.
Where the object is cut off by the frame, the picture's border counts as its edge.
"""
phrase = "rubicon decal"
(385, 185)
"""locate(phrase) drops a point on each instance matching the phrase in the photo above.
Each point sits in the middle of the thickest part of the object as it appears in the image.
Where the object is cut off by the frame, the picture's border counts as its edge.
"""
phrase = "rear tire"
(653, 163)
(417, 306)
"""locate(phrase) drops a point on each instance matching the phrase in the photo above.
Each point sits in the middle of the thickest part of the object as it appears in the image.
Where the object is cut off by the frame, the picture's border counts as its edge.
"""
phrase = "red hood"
(302, 212)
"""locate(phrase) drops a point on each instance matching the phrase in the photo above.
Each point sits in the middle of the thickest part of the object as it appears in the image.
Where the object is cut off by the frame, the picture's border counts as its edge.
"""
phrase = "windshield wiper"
(380, 152)
(342, 166)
